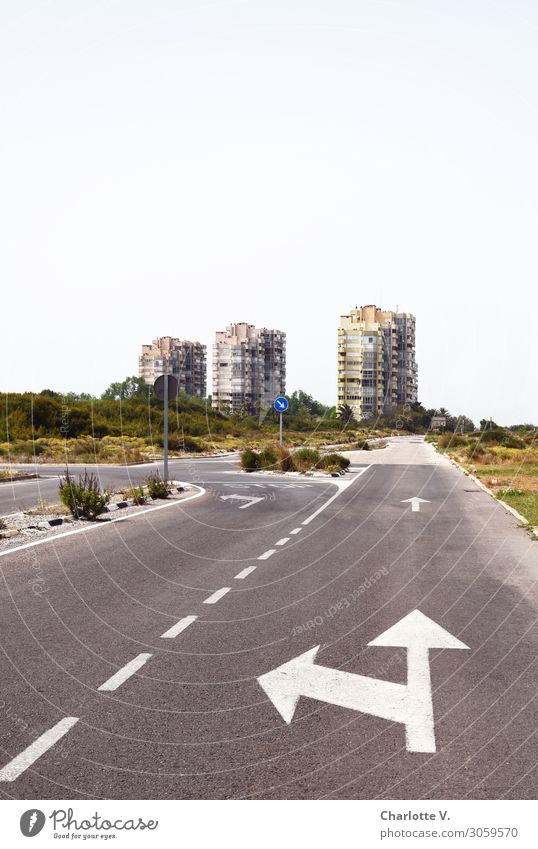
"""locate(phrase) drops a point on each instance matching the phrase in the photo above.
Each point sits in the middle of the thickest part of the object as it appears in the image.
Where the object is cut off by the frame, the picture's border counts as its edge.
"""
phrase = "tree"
(345, 413)
(487, 424)
(131, 387)
(303, 404)
(463, 424)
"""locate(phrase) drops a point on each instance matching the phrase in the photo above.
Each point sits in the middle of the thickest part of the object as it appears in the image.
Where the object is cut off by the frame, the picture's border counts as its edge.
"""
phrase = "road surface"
(175, 654)
(22, 494)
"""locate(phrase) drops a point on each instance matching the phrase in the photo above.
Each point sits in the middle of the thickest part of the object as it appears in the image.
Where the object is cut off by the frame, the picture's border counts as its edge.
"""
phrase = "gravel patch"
(37, 527)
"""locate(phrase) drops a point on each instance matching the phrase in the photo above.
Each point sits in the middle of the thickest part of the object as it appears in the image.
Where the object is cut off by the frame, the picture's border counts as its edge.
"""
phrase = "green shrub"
(193, 445)
(249, 460)
(136, 493)
(502, 437)
(178, 442)
(83, 498)
(474, 451)
(268, 458)
(452, 440)
(333, 462)
(27, 449)
(3, 525)
(285, 459)
(305, 459)
(157, 486)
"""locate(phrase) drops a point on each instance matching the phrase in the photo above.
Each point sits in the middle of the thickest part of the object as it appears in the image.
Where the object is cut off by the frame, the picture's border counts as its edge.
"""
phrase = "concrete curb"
(110, 508)
(482, 486)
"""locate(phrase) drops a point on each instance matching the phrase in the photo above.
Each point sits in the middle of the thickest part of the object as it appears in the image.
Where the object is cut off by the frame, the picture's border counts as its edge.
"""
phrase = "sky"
(168, 167)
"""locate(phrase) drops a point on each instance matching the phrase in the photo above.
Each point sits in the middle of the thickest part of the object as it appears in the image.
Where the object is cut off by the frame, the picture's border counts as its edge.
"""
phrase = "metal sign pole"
(280, 404)
(165, 441)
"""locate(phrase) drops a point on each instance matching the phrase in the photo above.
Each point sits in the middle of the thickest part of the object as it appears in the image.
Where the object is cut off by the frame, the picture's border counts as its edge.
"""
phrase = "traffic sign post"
(281, 404)
(166, 386)
(165, 435)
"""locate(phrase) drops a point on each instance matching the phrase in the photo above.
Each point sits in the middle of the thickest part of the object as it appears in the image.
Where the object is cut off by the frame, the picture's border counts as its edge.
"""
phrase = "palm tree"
(345, 413)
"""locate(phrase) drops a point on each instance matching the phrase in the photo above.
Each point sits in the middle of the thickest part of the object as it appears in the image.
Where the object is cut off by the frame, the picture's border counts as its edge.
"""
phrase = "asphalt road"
(21, 494)
(442, 707)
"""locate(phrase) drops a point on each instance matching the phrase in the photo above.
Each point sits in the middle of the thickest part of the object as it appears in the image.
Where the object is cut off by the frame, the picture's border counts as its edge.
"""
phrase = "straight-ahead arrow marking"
(409, 704)
(415, 503)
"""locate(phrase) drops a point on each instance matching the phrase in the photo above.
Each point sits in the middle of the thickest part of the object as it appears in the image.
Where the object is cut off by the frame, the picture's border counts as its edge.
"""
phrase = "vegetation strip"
(504, 461)
(95, 525)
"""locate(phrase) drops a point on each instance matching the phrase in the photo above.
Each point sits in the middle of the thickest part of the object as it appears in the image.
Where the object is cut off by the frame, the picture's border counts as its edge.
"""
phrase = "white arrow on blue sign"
(281, 404)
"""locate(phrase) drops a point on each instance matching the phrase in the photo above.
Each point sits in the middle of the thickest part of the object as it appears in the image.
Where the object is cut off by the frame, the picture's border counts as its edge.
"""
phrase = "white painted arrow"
(250, 498)
(409, 704)
(415, 503)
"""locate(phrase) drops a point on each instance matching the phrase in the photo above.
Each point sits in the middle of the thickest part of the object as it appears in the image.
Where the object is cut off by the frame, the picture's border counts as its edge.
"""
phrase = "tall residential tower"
(249, 367)
(376, 360)
(185, 360)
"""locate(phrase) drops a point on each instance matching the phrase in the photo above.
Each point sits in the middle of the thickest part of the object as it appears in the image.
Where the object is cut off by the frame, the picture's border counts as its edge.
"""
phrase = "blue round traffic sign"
(281, 404)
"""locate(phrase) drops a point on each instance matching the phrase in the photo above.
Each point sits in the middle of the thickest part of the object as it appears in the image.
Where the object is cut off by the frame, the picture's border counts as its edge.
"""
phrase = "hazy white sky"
(171, 166)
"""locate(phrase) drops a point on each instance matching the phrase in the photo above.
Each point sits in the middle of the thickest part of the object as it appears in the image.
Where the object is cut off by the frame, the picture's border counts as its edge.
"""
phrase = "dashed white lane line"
(244, 573)
(296, 531)
(178, 627)
(125, 672)
(216, 595)
(19, 764)
(283, 541)
(267, 554)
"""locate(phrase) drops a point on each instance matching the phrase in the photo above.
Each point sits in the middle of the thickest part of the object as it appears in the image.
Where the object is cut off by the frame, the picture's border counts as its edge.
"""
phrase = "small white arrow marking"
(409, 704)
(415, 503)
(250, 498)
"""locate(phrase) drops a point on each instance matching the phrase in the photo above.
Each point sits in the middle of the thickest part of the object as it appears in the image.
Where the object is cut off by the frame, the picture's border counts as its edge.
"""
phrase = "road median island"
(300, 461)
(26, 528)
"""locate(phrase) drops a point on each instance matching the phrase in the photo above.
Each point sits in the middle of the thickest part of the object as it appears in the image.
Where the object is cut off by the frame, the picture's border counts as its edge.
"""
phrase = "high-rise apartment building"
(249, 367)
(185, 360)
(376, 360)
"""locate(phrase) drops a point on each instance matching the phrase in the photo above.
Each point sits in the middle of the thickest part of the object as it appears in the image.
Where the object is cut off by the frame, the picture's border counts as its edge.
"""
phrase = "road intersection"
(328, 641)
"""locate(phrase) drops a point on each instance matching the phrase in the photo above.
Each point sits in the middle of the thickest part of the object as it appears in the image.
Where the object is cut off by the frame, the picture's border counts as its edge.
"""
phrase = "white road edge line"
(217, 595)
(342, 485)
(267, 554)
(106, 524)
(178, 627)
(283, 541)
(296, 531)
(244, 573)
(125, 672)
(26, 758)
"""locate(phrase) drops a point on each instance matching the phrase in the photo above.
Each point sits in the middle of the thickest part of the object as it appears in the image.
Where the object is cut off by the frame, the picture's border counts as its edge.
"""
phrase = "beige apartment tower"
(376, 360)
(249, 367)
(185, 360)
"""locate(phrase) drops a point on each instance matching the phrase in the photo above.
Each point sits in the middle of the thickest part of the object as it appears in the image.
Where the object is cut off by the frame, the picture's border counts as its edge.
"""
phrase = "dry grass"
(511, 473)
(44, 508)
